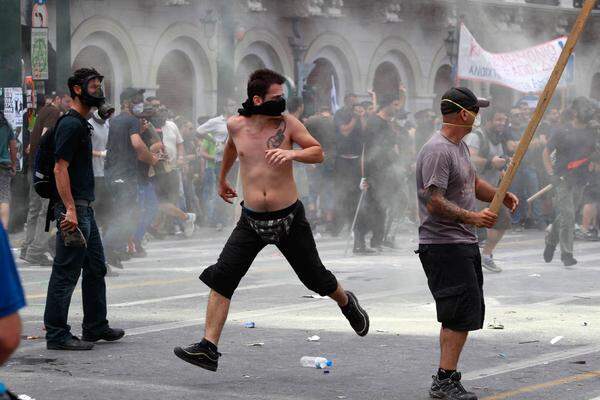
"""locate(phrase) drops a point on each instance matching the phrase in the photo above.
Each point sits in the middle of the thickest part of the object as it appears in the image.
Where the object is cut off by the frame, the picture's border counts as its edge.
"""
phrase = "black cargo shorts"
(455, 279)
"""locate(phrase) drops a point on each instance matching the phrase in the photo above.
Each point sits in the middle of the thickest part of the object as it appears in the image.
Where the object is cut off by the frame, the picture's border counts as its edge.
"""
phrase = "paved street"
(160, 302)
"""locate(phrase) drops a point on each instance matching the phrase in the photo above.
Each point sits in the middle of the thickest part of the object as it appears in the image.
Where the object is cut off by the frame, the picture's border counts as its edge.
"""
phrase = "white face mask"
(137, 108)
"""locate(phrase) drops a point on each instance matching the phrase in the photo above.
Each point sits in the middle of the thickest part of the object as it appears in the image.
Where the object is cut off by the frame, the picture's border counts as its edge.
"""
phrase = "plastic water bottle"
(316, 362)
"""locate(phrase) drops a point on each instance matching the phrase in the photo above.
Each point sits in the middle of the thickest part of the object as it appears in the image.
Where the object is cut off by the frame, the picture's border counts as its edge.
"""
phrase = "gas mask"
(272, 108)
(95, 99)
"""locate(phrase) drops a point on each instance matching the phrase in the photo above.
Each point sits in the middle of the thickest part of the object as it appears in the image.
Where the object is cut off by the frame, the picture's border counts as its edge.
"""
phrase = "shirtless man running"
(262, 138)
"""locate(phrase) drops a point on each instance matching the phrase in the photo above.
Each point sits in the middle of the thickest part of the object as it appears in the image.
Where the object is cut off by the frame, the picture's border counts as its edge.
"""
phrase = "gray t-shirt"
(447, 166)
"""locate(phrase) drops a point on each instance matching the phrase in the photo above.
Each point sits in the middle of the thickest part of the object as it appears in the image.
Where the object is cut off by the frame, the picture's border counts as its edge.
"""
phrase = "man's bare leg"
(10, 335)
(451, 345)
(216, 315)
(493, 238)
(173, 211)
(340, 296)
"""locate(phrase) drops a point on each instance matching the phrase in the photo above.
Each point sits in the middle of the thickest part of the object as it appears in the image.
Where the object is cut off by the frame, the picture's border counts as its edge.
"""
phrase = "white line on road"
(532, 362)
(193, 295)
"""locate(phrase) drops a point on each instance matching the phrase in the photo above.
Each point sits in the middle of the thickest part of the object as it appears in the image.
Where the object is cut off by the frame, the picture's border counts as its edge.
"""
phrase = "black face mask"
(158, 122)
(272, 108)
(92, 99)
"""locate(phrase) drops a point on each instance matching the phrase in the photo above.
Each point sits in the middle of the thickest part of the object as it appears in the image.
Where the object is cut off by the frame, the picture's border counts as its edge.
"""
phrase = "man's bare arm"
(229, 156)
(440, 206)
(484, 191)
(346, 129)
(63, 184)
(312, 152)
(12, 145)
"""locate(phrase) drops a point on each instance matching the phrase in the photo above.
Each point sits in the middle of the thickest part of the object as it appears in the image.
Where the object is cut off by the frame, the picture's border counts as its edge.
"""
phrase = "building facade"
(191, 53)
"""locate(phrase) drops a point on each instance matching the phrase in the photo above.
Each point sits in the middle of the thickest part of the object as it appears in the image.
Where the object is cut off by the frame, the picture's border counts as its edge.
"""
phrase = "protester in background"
(8, 167)
(214, 133)
(573, 148)
(12, 299)
(347, 176)
(321, 176)
(79, 248)
(100, 123)
(123, 150)
(190, 169)
(489, 148)
(380, 154)
(35, 245)
(167, 182)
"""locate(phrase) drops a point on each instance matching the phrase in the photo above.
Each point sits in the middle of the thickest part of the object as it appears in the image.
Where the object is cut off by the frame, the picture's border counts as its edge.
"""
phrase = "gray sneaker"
(489, 264)
(189, 225)
(450, 389)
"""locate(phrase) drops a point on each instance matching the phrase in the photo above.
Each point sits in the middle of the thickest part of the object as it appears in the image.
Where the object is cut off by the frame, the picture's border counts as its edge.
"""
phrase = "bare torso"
(265, 187)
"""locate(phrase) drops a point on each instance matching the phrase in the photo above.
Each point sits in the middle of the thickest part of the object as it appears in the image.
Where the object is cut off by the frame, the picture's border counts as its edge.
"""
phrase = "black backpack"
(43, 165)
(43, 180)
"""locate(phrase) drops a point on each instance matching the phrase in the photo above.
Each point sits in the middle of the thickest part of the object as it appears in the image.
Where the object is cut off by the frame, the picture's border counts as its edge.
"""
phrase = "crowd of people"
(156, 172)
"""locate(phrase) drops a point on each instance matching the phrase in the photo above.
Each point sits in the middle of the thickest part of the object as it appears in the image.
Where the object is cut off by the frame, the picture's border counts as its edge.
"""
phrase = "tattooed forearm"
(277, 139)
(438, 205)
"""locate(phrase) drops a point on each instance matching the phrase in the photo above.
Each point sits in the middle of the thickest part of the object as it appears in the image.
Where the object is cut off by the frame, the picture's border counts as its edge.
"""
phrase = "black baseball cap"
(463, 97)
(130, 93)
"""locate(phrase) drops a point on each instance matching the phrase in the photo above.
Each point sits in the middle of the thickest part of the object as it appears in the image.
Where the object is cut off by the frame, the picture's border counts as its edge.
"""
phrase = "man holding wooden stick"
(447, 187)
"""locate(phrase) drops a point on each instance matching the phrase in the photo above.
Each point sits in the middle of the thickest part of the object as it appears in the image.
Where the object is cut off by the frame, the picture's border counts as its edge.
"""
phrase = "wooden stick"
(542, 104)
(540, 193)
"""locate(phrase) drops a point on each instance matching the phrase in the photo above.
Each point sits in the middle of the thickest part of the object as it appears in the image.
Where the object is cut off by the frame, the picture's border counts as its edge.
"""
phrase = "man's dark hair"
(366, 104)
(261, 80)
(294, 104)
(79, 77)
(151, 98)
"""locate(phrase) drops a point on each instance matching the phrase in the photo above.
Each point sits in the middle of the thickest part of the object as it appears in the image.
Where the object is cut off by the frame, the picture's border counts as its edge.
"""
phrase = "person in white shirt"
(100, 121)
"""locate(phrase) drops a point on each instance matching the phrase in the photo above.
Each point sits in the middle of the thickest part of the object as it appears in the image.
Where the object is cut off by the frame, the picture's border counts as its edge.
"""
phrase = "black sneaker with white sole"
(450, 389)
(200, 355)
(356, 315)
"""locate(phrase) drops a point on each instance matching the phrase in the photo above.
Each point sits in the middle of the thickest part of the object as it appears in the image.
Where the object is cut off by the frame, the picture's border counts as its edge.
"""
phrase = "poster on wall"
(39, 14)
(13, 106)
(39, 53)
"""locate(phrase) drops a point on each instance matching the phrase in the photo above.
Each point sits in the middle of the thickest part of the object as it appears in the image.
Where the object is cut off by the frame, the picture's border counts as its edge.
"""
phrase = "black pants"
(347, 192)
(298, 247)
(371, 217)
(455, 279)
(68, 265)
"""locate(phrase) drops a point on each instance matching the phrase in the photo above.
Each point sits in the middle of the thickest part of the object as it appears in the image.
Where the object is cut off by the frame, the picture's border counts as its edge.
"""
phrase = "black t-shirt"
(323, 129)
(73, 143)
(571, 145)
(351, 144)
(121, 158)
(380, 142)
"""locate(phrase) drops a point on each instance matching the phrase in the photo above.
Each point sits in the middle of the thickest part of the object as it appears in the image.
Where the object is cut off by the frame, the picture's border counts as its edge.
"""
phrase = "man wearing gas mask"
(78, 244)
(263, 140)
(574, 149)
(124, 148)
(489, 148)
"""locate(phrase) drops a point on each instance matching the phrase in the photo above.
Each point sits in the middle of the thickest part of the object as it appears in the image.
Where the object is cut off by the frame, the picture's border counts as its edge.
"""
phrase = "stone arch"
(109, 36)
(439, 60)
(96, 57)
(338, 51)
(268, 48)
(399, 53)
(187, 38)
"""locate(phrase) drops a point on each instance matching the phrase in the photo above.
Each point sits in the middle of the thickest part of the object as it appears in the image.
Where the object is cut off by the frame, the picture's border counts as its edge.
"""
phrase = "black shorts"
(455, 279)
(296, 242)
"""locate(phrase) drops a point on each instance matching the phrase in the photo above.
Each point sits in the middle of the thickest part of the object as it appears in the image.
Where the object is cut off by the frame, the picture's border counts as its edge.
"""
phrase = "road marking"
(193, 295)
(532, 362)
(153, 282)
(545, 385)
(242, 315)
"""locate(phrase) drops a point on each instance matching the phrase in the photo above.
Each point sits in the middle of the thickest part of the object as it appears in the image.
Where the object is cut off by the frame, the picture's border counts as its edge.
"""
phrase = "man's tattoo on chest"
(277, 139)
